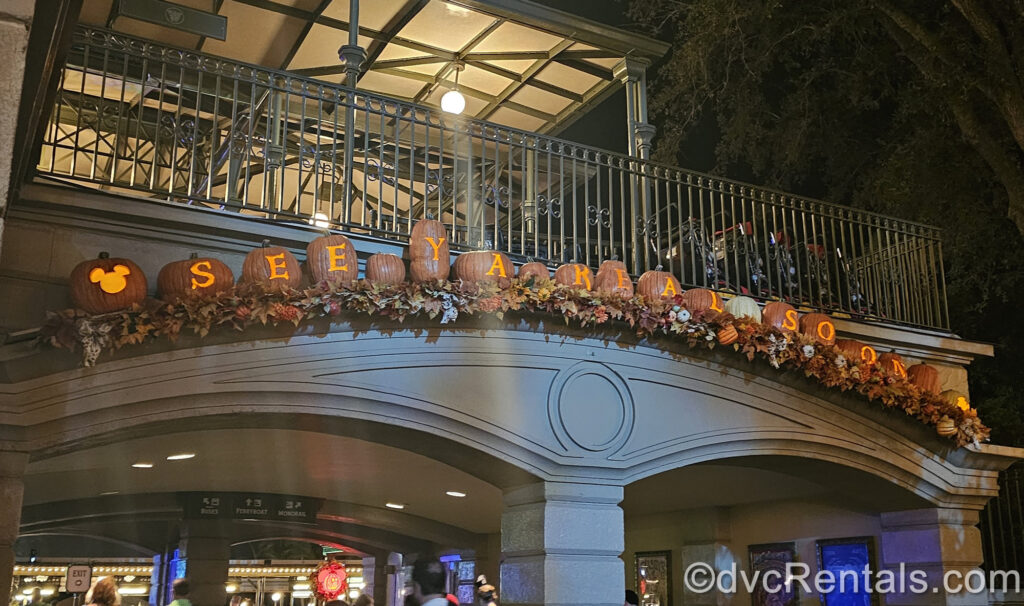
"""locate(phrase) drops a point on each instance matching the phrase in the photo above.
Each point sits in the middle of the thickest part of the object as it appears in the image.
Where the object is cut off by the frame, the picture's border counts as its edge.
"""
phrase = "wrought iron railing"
(1002, 525)
(172, 124)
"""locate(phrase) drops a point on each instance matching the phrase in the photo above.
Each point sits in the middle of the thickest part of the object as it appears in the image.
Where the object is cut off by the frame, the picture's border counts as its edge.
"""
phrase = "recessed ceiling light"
(109, 492)
(181, 456)
(394, 505)
(142, 465)
(455, 493)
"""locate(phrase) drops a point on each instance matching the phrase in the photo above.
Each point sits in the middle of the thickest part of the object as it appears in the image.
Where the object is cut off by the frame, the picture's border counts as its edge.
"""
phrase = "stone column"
(561, 544)
(395, 581)
(935, 541)
(206, 549)
(375, 579)
(15, 20)
(12, 489)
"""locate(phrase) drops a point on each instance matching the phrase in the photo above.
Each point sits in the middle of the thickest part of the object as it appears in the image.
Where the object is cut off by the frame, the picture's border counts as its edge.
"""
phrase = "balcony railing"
(136, 117)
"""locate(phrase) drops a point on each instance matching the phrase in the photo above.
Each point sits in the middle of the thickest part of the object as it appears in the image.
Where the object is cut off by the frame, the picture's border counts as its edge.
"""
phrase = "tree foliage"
(913, 108)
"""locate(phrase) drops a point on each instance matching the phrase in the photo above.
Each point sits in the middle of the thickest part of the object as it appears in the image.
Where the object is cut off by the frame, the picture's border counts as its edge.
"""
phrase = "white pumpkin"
(743, 307)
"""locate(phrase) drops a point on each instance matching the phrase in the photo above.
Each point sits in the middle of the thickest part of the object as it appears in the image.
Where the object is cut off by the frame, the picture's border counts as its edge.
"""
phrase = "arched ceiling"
(526, 66)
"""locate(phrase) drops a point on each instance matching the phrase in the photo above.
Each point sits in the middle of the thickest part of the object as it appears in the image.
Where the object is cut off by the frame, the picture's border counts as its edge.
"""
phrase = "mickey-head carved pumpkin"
(956, 398)
(782, 316)
(194, 276)
(613, 278)
(428, 251)
(107, 284)
(702, 300)
(576, 275)
(925, 377)
(535, 270)
(272, 267)
(819, 327)
(331, 258)
(857, 352)
(655, 285)
(385, 268)
(892, 362)
(743, 307)
(484, 266)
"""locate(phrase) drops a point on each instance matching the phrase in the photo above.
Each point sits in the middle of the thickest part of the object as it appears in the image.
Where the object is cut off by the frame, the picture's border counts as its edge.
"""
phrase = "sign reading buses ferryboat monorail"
(250, 506)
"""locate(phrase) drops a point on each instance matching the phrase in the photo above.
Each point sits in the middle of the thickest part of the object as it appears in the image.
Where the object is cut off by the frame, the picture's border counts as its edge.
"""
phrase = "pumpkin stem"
(325, 232)
(658, 268)
(104, 255)
(193, 255)
(265, 244)
(430, 216)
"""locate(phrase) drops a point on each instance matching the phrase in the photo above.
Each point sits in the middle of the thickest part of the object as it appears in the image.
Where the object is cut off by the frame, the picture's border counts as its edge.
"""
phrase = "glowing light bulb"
(453, 102)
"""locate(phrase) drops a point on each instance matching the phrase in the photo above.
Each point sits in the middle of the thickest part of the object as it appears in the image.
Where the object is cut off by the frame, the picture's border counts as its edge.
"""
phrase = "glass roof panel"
(446, 26)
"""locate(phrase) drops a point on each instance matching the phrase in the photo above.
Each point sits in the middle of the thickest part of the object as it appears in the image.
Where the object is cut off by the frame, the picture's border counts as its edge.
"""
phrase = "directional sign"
(78, 579)
(250, 506)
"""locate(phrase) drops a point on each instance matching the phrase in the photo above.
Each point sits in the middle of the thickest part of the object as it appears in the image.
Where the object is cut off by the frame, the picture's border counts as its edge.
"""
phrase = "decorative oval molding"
(590, 409)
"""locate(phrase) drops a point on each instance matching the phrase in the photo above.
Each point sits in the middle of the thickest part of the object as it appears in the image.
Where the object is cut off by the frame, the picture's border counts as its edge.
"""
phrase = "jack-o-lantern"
(576, 275)
(698, 300)
(727, 335)
(332, 258)
(484, 266)
(655, 285)
(857, 352)
(893, 363)
(272, 267)
(819, 327)
(955, 398)
(428, 251)
(743, 307)
(782, 316)
(946, 427)
(613, 278)
(535, 270)
(385, 268)
(194, 276)
(925, 377)
(107, 284)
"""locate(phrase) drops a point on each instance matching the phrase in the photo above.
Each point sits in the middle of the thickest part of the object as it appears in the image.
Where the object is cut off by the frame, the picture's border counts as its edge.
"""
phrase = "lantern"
(576, 275)
(428, 251)
(193, 276)
(271, 266)
(484, 266)
(698, 300)
(613, 278)
(385, 268)
(782, 316)
(857, 351)
(893, 363)
(743, 307)
(655, 284)
(820, 327)
(955, 398)
(331, 258)
(925, 377)
(727, 335)
(107, 284)
(533, 269)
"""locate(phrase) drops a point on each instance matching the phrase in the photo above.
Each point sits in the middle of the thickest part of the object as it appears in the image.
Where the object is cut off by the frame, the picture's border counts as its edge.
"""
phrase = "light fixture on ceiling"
(107, 493)
(142, 465)
(181, 456)
(231, 588)
(455, 493)
(320, 220)
(276, 596)
(391, 505)
(452, 101)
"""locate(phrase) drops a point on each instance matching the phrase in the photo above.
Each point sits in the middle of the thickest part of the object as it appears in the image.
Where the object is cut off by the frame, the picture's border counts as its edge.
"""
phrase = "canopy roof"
(526, 66)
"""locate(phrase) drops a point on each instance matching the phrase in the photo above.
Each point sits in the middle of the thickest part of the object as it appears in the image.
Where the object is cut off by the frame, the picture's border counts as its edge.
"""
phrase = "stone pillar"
(561, 544)
(12, 489)
(15, 20)
(395, 581)
(935, 541)
(207, 549)
(375, 579)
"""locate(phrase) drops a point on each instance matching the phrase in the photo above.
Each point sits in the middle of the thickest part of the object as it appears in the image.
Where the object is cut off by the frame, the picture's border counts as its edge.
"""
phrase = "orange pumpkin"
(484, 266)
(925, 377)
(272, 267)
(893, 363)
(857, 352)
(946, 427)
(576, 275)
(613, 278)
(727, 335)
(107, 284)
(820, 327)
(428, 251)
(781, 315)
(698, 300)
(332, 258)
(193, 276)
(385, 268)
(535, 270)
(955, 398)
(655, 285)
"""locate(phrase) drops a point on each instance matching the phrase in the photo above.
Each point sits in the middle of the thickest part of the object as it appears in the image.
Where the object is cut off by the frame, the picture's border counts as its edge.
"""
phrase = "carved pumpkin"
(893, 363)
(655, 285)
(576, 275)
(698, 300)
(613, 278)
(535, 270)
(428, 251)
(385, 268)
(955, 398)
(484, 266)
(857, 352)
(332, 258)
(193, 276)
(946, 427)
(107, 284)
(925, 377)
(271, 266)
(727, 335)
(820, 327)
(782, 316)
(743, 307)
